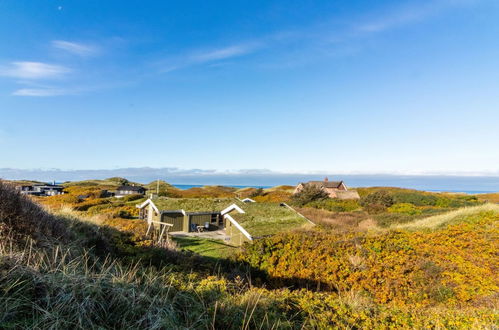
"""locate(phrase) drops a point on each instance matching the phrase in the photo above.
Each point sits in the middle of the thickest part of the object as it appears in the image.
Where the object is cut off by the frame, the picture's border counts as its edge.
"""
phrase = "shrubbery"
(382, 198)
(455, 265)
(404, 208)
(257, 192)
(80, 275)
(130, 198)
(308, 194)
(388, 219)
(335, 205)
(415, 198)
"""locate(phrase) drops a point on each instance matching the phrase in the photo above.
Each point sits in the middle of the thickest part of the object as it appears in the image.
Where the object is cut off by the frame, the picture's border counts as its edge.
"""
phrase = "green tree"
(308, 194)
(377, 202)
(257, 192)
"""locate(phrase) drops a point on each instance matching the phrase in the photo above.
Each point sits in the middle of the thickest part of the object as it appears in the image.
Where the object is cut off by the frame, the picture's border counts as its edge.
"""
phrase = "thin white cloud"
(39, 92)
(225, 52)
(33, 70)
(391, 21)
(410, 14)
(207, 56)
(75, 48)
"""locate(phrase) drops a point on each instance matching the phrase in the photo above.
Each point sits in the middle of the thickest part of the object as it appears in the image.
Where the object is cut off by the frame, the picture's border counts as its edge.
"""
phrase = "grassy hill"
(87, 269)
(451, 217)
(453, 265)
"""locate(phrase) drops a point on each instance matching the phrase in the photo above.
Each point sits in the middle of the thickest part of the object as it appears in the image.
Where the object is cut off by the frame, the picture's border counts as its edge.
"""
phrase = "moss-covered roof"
(261, 219)
(193, 205)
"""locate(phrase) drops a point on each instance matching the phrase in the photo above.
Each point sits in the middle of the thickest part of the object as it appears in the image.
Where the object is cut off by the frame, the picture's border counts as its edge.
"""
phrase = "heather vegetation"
(397, 258)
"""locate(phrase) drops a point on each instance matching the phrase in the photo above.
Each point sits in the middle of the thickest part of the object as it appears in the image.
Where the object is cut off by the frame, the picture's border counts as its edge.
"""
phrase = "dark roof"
(326, 184)
(131, 188)
(48, 186)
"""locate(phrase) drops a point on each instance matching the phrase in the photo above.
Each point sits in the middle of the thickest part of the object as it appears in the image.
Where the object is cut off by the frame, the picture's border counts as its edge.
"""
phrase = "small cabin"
(186, 215)
(41, 190)
(240, 222)
(129, 190)
(335, 189)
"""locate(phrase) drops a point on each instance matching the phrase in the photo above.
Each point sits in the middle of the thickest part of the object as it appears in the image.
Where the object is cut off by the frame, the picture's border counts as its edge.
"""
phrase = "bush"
(404, 208)
(335, 205)
(133, 197)
(454, 265)
(377, 202)
(415, 198)
(388, 219)
(308, 194)
(257, 192)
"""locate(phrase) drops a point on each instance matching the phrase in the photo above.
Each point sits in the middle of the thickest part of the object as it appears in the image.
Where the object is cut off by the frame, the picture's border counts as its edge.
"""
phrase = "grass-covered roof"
(261, 219)
(193, 205)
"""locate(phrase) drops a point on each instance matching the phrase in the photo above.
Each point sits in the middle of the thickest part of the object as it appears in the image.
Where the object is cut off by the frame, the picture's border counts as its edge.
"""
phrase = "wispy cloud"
(75, 48)
(33, 70)
(208, 56)
(226, 52)
(407, 14)
(40, 92)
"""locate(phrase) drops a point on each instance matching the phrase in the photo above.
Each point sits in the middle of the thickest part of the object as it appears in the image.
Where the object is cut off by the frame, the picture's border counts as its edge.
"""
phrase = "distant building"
(130, 190)
(335, 189)
(41, 189)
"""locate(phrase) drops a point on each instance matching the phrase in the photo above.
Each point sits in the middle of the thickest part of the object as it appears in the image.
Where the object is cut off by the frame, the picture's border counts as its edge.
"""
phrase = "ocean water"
(450, 183)
(189, 186)
(435, 183)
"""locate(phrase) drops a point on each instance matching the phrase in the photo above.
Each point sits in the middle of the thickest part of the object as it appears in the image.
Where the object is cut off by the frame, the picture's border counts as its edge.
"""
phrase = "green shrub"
(257, 192)
(379, 197)
(335, 205)
(457, 201)
(377, 202)
(308, 194)
(415, 198)
(133, 197)
(404, 208)
(388, 219)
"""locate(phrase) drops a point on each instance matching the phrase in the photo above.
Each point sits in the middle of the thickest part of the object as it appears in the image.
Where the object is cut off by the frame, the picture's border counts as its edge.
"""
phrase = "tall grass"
(58, 272)
(447, 218)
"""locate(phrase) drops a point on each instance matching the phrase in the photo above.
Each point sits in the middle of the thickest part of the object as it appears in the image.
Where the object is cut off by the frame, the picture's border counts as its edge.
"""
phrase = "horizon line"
(259, 172)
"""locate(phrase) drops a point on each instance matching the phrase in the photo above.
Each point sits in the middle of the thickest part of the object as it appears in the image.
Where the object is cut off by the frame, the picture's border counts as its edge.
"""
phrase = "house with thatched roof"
(335, 189)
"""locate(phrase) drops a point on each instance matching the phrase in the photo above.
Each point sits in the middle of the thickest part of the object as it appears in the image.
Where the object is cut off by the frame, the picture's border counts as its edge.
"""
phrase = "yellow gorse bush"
(455, 265)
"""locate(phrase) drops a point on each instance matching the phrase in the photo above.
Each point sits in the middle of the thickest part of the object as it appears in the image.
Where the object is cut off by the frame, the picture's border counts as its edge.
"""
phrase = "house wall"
(331, 192)
(199, 219)
(176, 219)
(298, 188)
(236, 236)
(152, 215)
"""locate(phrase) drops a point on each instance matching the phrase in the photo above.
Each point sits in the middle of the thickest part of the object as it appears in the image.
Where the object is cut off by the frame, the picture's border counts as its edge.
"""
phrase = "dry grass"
(443, 219)
(344, 221)
(491, 198)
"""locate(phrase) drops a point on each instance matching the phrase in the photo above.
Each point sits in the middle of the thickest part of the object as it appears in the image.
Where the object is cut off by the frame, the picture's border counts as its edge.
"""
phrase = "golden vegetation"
(61, 271)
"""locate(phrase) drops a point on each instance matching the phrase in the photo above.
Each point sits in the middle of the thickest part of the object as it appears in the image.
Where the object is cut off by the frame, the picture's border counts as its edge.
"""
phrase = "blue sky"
(290, 86)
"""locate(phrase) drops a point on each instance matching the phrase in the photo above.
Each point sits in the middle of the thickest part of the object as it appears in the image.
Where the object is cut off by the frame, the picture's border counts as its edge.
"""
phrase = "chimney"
(326, 179)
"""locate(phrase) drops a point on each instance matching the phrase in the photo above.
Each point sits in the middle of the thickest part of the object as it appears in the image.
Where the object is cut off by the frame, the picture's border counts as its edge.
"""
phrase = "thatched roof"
(325, 184)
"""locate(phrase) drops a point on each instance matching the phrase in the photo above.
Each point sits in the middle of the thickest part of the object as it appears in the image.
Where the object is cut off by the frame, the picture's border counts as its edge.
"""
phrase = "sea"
(445, 183)
(189, 186)
(433, 183)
